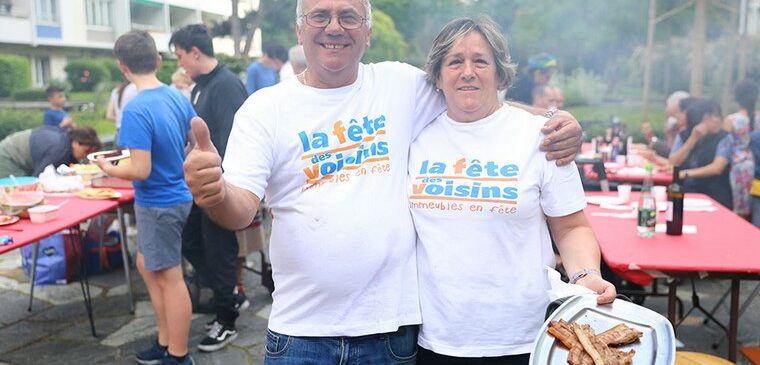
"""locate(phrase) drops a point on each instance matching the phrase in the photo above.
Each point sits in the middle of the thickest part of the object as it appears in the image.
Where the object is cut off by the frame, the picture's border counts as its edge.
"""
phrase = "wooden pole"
(648, 59)
(698, 48)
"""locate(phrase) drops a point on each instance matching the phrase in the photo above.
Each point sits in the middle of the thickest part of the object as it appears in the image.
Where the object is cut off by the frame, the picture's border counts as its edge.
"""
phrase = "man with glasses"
(329, 151)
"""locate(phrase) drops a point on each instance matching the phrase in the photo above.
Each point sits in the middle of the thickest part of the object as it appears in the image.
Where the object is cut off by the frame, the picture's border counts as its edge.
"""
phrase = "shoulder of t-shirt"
(391, 68)
(531, 122)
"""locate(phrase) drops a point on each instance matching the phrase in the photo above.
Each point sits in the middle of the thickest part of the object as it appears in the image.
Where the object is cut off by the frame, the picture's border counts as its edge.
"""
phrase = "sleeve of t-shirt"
(250, 154)
(561, 190)
(429, 102)
(677, 144)
(725, 147)
(136, 130)
(250, 81)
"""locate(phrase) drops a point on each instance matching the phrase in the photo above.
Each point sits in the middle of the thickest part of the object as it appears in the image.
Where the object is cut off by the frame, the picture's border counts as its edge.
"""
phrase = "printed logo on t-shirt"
(346, 151)
(472, 185)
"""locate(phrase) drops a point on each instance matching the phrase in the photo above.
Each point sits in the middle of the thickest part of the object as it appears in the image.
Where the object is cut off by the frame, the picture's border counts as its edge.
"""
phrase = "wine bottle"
(674, 215)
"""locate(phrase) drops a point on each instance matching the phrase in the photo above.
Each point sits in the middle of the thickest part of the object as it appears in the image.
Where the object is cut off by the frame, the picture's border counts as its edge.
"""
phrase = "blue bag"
(99, 260)
(58, 258)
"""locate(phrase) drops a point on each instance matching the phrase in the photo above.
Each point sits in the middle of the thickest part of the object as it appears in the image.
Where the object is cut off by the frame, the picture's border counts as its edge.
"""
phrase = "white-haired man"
(329, 149)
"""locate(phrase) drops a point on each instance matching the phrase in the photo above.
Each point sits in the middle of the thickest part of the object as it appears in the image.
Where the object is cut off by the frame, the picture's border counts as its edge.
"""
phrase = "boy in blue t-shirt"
(155, 126)
(56, 116)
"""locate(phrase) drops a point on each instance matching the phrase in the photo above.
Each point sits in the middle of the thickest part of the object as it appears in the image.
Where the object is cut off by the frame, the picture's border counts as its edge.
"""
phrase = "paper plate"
(696, 203)
(8, 219)
(656, 347)
(110, 155)
(99, 193)
(604, 199)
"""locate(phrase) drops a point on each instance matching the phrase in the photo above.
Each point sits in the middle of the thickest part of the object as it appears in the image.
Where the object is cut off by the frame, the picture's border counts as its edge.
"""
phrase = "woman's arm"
(579, 250)
(678, 157)
(715, 167)
(138, 168)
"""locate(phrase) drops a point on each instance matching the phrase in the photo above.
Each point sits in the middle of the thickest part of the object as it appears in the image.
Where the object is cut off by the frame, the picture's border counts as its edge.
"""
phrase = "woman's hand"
(564, 137)
(604, 288)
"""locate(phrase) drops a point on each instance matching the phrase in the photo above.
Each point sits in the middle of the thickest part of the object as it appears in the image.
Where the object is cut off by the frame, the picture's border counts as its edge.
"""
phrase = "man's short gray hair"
(296, 55)
(367, 11)
(456, 30)
(677, 96)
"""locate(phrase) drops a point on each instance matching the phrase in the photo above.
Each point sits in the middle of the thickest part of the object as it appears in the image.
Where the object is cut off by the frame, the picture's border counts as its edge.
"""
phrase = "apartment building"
(50, 32)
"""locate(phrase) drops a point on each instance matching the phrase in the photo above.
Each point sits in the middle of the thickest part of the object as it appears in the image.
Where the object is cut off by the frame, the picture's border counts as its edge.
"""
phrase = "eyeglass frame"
(305, 17)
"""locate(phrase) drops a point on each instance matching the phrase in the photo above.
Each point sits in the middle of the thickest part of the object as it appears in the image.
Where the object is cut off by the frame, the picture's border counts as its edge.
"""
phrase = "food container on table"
(657, 345)
(17, 203)
(43, 213)
(20, 183)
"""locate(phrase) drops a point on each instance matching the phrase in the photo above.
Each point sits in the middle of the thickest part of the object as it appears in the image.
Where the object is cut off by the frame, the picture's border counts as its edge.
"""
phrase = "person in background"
(740, 125)
(754, 190)
(556, 98)
(542, 96)
(28, 152)
(55, 116)
(120, 96)
(182, 82)
(297, 59)
(155, 128)
(539, 72)
(211, 248)
(666, 162)
(705, 154)
(263, 73)
(676, 120)
(653, 143)
(482, 271)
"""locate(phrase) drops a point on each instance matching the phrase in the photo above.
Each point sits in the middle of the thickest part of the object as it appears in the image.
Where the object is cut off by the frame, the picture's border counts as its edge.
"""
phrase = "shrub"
(84, 74)
(582, 87)
(167, 69)
(14, 120)
(236, 64)
(113, 69)
(29, 95)
(15, 74)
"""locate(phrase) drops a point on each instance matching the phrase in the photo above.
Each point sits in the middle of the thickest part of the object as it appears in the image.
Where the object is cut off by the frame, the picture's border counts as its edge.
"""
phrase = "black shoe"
(241, 301)
(217, 338)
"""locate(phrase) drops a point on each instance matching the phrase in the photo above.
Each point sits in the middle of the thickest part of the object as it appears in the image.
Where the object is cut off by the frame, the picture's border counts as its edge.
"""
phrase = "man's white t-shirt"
(478, 195)
(332, 164)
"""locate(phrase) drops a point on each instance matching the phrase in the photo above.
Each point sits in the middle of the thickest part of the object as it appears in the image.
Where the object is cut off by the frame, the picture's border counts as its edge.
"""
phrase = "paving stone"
(135, 329)
(27, 333)
(64, 353)
(229, 355)
(81, 330)
(61, 294)
(14, 307)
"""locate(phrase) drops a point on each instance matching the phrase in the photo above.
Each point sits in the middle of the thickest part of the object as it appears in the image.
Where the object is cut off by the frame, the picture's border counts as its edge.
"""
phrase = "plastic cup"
(660, 193)
(624, 192)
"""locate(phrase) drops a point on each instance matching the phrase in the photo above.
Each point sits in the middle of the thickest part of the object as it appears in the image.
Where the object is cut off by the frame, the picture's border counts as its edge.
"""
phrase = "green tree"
(386, 43)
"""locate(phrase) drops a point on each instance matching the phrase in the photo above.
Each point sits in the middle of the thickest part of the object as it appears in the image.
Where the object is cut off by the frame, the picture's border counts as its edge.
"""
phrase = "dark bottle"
(674, 215)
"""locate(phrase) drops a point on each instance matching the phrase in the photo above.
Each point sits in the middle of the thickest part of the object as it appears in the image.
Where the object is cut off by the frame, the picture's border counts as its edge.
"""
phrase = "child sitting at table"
(155, 126)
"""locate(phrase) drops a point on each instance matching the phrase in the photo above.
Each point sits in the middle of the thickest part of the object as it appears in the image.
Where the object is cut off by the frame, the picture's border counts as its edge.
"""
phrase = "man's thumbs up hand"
(203, 168)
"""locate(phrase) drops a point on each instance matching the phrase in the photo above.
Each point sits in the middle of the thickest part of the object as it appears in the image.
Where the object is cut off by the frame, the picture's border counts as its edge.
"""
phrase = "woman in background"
(740, 125)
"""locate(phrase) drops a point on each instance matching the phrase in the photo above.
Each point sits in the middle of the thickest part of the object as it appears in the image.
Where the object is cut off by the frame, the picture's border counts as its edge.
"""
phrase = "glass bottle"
(674, 215)
(647, 215)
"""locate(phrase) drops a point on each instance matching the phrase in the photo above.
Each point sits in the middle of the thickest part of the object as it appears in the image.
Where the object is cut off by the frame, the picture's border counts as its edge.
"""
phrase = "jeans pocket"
(402, 344)
(277, 344)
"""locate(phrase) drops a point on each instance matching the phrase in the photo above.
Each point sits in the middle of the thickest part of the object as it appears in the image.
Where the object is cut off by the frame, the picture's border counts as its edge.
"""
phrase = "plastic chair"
(699, 358)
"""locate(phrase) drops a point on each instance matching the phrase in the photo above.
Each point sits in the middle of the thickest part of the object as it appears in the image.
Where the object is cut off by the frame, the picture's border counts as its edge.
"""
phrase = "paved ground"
(57, 330)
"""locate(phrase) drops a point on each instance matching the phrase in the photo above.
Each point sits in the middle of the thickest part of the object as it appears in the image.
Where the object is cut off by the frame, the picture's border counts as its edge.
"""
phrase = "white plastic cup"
(624, 192)
(660, 193)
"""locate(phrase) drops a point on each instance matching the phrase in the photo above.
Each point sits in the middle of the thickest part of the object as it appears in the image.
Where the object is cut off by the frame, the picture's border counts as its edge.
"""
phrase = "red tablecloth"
(76, 210)
(724, 243)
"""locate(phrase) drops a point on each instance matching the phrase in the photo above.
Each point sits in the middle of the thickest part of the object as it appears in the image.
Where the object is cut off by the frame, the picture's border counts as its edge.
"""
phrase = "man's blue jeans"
(398, 347)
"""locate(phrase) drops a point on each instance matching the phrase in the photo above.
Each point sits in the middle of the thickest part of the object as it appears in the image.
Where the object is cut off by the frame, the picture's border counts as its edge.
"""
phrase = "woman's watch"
(582, 274)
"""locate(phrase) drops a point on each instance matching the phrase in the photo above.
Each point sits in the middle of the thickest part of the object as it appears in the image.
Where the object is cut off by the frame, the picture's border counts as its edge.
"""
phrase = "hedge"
(15, 120)
(15, 74)
(236, 64)
(29, 95)
(75, 74)
(167, 69)
(113, 69)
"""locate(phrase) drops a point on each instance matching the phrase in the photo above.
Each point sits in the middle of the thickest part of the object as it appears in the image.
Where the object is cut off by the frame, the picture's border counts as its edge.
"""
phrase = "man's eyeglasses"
(319, 19)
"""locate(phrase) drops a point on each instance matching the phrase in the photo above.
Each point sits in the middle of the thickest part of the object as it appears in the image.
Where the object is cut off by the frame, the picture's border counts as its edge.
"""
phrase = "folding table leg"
(125, 257)
(84, 283)
(34, 273)
(733, 322)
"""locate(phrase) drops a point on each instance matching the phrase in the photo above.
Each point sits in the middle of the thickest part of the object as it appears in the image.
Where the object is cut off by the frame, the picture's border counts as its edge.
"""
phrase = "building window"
(6, 7)
(47, 10)
(98, 12)
(41, 71)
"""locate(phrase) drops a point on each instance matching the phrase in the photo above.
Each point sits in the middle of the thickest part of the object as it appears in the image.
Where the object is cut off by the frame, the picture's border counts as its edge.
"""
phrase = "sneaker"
(211, 324)
(152, 356)
(171, 361)
(241, 301)
(217, 338)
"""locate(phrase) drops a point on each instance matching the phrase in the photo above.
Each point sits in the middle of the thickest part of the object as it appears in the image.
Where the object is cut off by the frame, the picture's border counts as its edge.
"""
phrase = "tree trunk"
(698, 48)
(235, 27)
(733, 43)
(648, 58)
